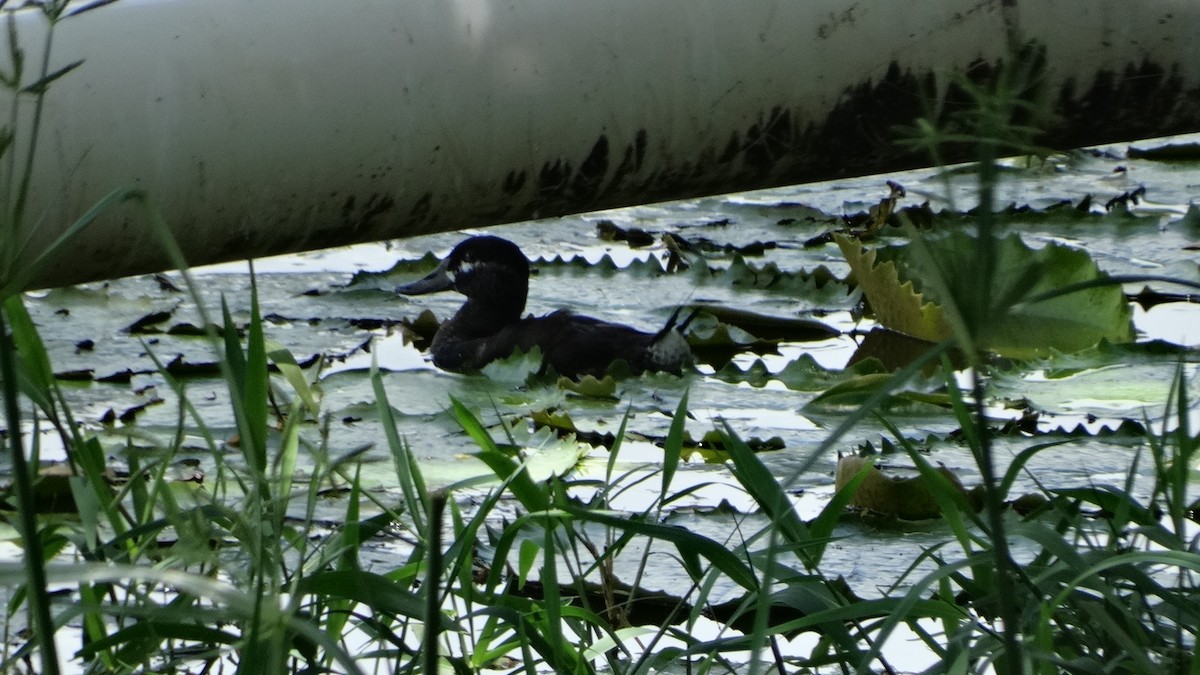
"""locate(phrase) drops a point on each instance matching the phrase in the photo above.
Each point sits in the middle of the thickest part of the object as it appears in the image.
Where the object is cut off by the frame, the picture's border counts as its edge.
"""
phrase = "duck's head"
(492, 273)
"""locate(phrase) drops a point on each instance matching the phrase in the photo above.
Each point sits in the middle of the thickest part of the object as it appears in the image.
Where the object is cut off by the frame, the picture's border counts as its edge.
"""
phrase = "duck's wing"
(464, 349)
(579, 345)
(587, 346)
(571, 344)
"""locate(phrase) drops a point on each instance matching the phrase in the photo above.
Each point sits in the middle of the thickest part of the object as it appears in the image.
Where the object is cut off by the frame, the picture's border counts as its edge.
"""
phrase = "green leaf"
(256, 386)
(44, 82)
(412, 483)
(17, 279)
(897, 303)
(526, 557)
(759, 482)
(285, 361)
(590, 387)
(673, 446)
(1040, 300)
(377, 592)
(690, 545)
(30, 348)
(532, 496)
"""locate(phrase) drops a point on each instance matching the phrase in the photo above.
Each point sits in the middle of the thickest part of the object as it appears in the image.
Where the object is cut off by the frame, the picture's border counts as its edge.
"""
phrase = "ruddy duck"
(494, 275)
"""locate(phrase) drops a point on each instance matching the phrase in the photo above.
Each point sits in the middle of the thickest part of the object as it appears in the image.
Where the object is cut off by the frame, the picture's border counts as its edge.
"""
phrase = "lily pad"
(908, 498)
(926, 294)
(1120, 391)
(855, 391)
(771, 327)
(801, 374)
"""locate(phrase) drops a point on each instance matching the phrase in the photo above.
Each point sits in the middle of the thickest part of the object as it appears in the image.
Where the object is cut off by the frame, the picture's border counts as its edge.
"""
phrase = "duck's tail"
(669, 349)
(671, 325)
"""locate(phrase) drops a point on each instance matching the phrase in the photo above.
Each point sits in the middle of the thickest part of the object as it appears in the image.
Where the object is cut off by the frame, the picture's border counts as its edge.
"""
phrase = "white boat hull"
(268, 126)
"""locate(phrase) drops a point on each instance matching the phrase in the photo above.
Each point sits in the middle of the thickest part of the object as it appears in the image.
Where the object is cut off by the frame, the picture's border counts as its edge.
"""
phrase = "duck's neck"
(482, 316)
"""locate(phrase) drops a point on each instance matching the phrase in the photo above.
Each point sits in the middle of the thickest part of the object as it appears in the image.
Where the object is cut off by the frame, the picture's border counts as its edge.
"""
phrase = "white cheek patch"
(463, 269)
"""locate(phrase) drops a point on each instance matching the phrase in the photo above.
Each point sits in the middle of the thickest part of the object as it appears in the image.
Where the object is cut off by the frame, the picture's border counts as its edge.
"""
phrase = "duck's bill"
(437, 280)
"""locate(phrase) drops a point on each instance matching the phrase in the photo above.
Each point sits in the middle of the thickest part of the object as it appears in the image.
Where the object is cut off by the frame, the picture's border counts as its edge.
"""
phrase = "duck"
(493, 274)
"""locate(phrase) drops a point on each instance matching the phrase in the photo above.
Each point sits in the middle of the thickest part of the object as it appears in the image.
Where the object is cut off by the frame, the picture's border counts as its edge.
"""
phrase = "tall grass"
(18, 264)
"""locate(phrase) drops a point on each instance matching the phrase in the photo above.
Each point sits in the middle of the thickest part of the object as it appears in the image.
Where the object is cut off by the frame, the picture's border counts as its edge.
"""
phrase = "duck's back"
(580, 345)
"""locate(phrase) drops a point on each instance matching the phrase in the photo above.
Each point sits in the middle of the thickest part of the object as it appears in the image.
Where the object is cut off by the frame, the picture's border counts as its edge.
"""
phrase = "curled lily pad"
(927, 294)
(910, 498)
(895, 350)
(896, 301)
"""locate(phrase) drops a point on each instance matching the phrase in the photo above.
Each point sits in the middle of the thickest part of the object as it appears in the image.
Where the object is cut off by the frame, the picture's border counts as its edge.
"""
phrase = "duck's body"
(494, 275)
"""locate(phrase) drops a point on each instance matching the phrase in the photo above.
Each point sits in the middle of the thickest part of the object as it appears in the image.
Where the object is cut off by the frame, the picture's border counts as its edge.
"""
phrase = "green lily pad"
(915, 293)
(801, 374)
(855, 391)
(591, 387)
(1120, 391)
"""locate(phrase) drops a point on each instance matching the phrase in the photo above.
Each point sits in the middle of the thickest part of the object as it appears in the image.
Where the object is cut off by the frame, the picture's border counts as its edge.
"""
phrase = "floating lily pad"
(589, 386)
(906, 498)
(911, 291)
(801, 374)
(1171, 152)
(855, 391)
(771, 327)
(1119, 391)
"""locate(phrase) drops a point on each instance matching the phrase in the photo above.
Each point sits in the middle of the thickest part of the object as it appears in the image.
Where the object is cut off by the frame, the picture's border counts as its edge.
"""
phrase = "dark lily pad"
(771, 327)
(1172, 152)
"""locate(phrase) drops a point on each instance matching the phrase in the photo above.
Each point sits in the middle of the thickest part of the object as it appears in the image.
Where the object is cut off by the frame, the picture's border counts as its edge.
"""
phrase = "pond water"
(335, 309)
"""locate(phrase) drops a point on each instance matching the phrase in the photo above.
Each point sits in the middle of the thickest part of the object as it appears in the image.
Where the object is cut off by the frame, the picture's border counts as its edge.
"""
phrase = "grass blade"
(673, 445)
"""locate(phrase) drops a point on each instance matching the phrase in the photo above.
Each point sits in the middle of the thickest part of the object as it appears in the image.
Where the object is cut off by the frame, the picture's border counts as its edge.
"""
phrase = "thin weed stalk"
(432, 586)
(995, 124)
(34, 559)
